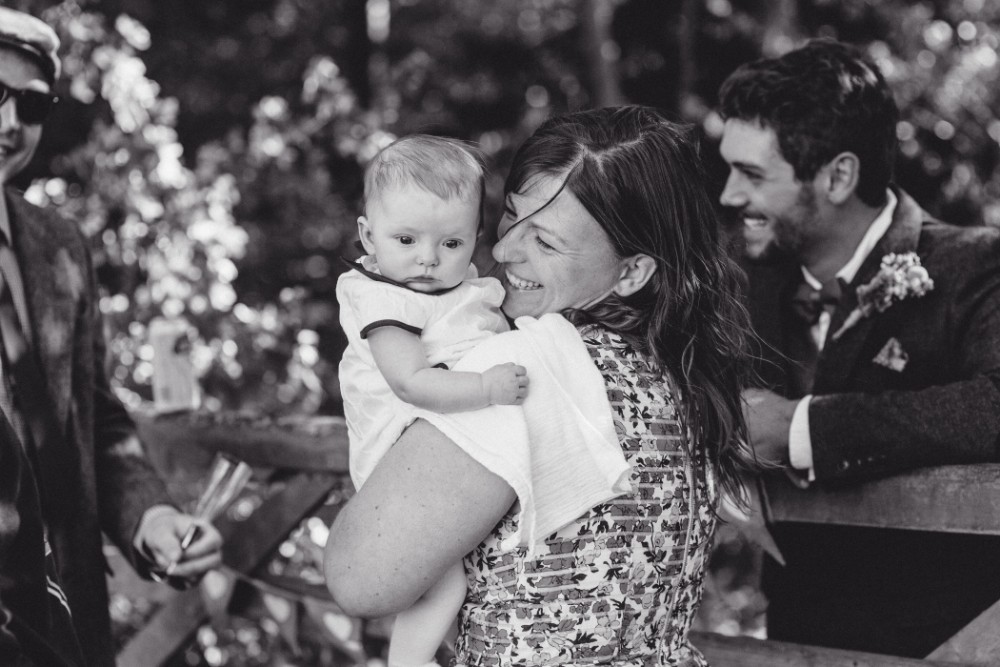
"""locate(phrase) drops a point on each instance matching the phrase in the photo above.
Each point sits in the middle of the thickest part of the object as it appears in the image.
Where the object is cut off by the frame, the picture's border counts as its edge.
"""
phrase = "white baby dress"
(558, 450)
(449, 323)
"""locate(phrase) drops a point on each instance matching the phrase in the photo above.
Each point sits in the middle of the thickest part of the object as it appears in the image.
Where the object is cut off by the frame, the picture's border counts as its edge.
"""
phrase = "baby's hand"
(505, 384)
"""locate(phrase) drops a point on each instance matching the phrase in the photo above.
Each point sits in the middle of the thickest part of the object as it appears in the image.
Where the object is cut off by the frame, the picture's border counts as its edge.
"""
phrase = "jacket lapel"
(837, 362)
(770, 288)
(51, 282)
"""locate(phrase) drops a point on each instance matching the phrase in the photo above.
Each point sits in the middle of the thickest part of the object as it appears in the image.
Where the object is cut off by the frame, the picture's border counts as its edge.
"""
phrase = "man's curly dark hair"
(821, 100)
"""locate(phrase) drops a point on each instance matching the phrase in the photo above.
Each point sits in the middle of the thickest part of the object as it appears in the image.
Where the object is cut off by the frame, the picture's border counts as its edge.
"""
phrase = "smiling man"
(880, 332)
(71, 463)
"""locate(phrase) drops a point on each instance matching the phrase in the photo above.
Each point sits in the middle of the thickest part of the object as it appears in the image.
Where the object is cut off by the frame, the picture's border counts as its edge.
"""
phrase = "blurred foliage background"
(212, 150)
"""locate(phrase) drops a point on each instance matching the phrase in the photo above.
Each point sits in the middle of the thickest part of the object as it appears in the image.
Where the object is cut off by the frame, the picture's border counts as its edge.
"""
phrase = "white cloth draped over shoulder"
(558, 450)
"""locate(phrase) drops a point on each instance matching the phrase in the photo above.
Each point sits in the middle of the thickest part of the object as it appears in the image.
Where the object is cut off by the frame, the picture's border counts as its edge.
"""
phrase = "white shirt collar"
(876, 230)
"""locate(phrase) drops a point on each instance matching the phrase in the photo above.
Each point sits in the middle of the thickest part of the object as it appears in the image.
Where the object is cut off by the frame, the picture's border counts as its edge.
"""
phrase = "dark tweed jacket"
(33, 624)
(110, 482)
(882, 590)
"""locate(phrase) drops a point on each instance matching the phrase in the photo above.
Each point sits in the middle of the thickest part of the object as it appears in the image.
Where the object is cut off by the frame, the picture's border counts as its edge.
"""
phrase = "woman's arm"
(401, 361)
(425, 506)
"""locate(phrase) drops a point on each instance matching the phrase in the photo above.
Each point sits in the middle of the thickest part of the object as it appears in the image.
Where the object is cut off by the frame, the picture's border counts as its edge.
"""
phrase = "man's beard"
(788, 231)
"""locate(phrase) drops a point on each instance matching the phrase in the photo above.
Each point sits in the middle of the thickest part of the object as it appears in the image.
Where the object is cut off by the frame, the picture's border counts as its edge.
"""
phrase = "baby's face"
(419, 239)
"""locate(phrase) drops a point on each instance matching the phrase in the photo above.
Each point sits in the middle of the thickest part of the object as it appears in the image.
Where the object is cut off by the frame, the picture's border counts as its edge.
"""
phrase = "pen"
(189, 537)
(192, 533)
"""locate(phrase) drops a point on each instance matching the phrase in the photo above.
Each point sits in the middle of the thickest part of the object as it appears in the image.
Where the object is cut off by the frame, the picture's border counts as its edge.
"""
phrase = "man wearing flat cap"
(71, 465)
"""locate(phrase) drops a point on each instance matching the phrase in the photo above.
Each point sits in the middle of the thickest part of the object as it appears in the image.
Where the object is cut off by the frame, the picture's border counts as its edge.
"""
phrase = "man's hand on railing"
(769, 417)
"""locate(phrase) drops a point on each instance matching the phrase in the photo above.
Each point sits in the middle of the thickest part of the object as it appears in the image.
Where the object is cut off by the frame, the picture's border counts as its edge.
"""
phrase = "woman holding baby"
(607, 223)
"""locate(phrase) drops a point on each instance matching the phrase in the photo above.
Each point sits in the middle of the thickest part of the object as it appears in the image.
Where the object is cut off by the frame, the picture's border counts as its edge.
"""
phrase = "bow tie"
(809, 303)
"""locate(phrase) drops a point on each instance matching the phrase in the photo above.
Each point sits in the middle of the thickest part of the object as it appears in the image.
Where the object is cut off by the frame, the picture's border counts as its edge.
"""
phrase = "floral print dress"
(621, 584)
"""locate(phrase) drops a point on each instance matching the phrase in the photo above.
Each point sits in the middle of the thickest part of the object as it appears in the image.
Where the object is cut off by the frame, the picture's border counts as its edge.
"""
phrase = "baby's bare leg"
(419, 630)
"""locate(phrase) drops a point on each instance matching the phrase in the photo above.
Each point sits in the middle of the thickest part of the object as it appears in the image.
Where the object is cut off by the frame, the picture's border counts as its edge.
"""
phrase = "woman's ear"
(636, 272)
(365, 233)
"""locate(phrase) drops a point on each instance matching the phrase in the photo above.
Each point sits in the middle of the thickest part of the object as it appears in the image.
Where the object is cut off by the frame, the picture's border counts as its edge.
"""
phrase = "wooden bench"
(963, 499)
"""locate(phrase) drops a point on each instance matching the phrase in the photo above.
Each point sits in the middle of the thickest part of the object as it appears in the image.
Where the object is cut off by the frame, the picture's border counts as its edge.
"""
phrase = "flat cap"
(32, 37)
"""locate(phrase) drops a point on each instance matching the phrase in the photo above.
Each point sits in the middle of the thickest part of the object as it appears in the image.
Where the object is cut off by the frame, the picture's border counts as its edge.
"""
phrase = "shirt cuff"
(800, 453)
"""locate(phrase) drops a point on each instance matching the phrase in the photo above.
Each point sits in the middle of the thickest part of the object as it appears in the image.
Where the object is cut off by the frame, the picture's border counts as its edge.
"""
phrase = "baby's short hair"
(448, 168)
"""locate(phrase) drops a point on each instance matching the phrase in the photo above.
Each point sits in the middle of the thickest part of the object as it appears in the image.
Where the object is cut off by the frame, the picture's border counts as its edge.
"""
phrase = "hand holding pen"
(190, 535)
(181, 548)
(195, 543)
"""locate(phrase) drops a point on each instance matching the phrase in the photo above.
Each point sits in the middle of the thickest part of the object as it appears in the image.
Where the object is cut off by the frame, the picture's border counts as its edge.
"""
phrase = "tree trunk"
(781, 30)
(687, 28)
(600, 51)
(355, 67)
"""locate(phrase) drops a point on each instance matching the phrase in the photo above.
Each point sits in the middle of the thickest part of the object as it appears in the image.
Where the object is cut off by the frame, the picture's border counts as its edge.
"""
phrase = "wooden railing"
(948, 499)
(305, 460)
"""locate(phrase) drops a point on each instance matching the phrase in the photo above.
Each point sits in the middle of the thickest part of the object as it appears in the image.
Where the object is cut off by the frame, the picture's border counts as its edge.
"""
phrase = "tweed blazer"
(109, 480)
(900, 592)
(943, 406)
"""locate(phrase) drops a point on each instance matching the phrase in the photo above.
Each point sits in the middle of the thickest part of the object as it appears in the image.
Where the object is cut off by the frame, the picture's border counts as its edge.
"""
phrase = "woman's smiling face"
(556, 256)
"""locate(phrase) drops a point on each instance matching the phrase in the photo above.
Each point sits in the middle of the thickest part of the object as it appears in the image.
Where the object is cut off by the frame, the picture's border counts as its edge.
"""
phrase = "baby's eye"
(451, 244)
(405, 240)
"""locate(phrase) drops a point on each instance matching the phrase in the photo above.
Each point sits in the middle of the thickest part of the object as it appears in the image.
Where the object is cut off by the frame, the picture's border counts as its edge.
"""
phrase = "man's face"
(779, 212)
(18, 140)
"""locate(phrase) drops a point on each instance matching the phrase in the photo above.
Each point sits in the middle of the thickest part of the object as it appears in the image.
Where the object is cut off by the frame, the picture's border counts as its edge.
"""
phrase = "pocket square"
(892, 356)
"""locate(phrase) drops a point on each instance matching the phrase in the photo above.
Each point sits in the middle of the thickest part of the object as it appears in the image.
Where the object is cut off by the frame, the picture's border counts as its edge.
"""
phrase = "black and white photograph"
(499, 333)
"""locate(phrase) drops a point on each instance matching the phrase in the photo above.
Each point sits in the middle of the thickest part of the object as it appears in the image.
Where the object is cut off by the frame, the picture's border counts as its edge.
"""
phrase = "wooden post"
(978, 642)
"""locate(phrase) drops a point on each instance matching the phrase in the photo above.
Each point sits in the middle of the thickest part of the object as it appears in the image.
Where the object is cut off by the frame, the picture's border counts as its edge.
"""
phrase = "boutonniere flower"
(899, 277)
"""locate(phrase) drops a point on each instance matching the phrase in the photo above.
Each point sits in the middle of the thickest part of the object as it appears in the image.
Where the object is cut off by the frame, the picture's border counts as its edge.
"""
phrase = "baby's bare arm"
(400, 358)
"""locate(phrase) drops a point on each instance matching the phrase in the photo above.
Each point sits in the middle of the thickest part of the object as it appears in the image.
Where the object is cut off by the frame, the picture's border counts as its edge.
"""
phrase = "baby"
(411, 308)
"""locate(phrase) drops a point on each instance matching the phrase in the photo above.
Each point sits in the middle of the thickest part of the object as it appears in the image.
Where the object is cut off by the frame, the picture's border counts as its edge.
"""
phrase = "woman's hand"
(425, 506)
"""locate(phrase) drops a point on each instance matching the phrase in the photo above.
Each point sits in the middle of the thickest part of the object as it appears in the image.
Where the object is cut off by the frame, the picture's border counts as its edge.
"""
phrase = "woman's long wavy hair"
(641, 178)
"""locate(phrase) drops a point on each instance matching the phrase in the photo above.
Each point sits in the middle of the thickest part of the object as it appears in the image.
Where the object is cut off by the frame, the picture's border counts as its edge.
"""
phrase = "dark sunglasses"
(33, 107)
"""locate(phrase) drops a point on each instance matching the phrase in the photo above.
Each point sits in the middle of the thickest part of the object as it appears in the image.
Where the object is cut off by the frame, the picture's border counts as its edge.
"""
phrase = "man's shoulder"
(50, 219)
(960, 249)
(49, 226)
